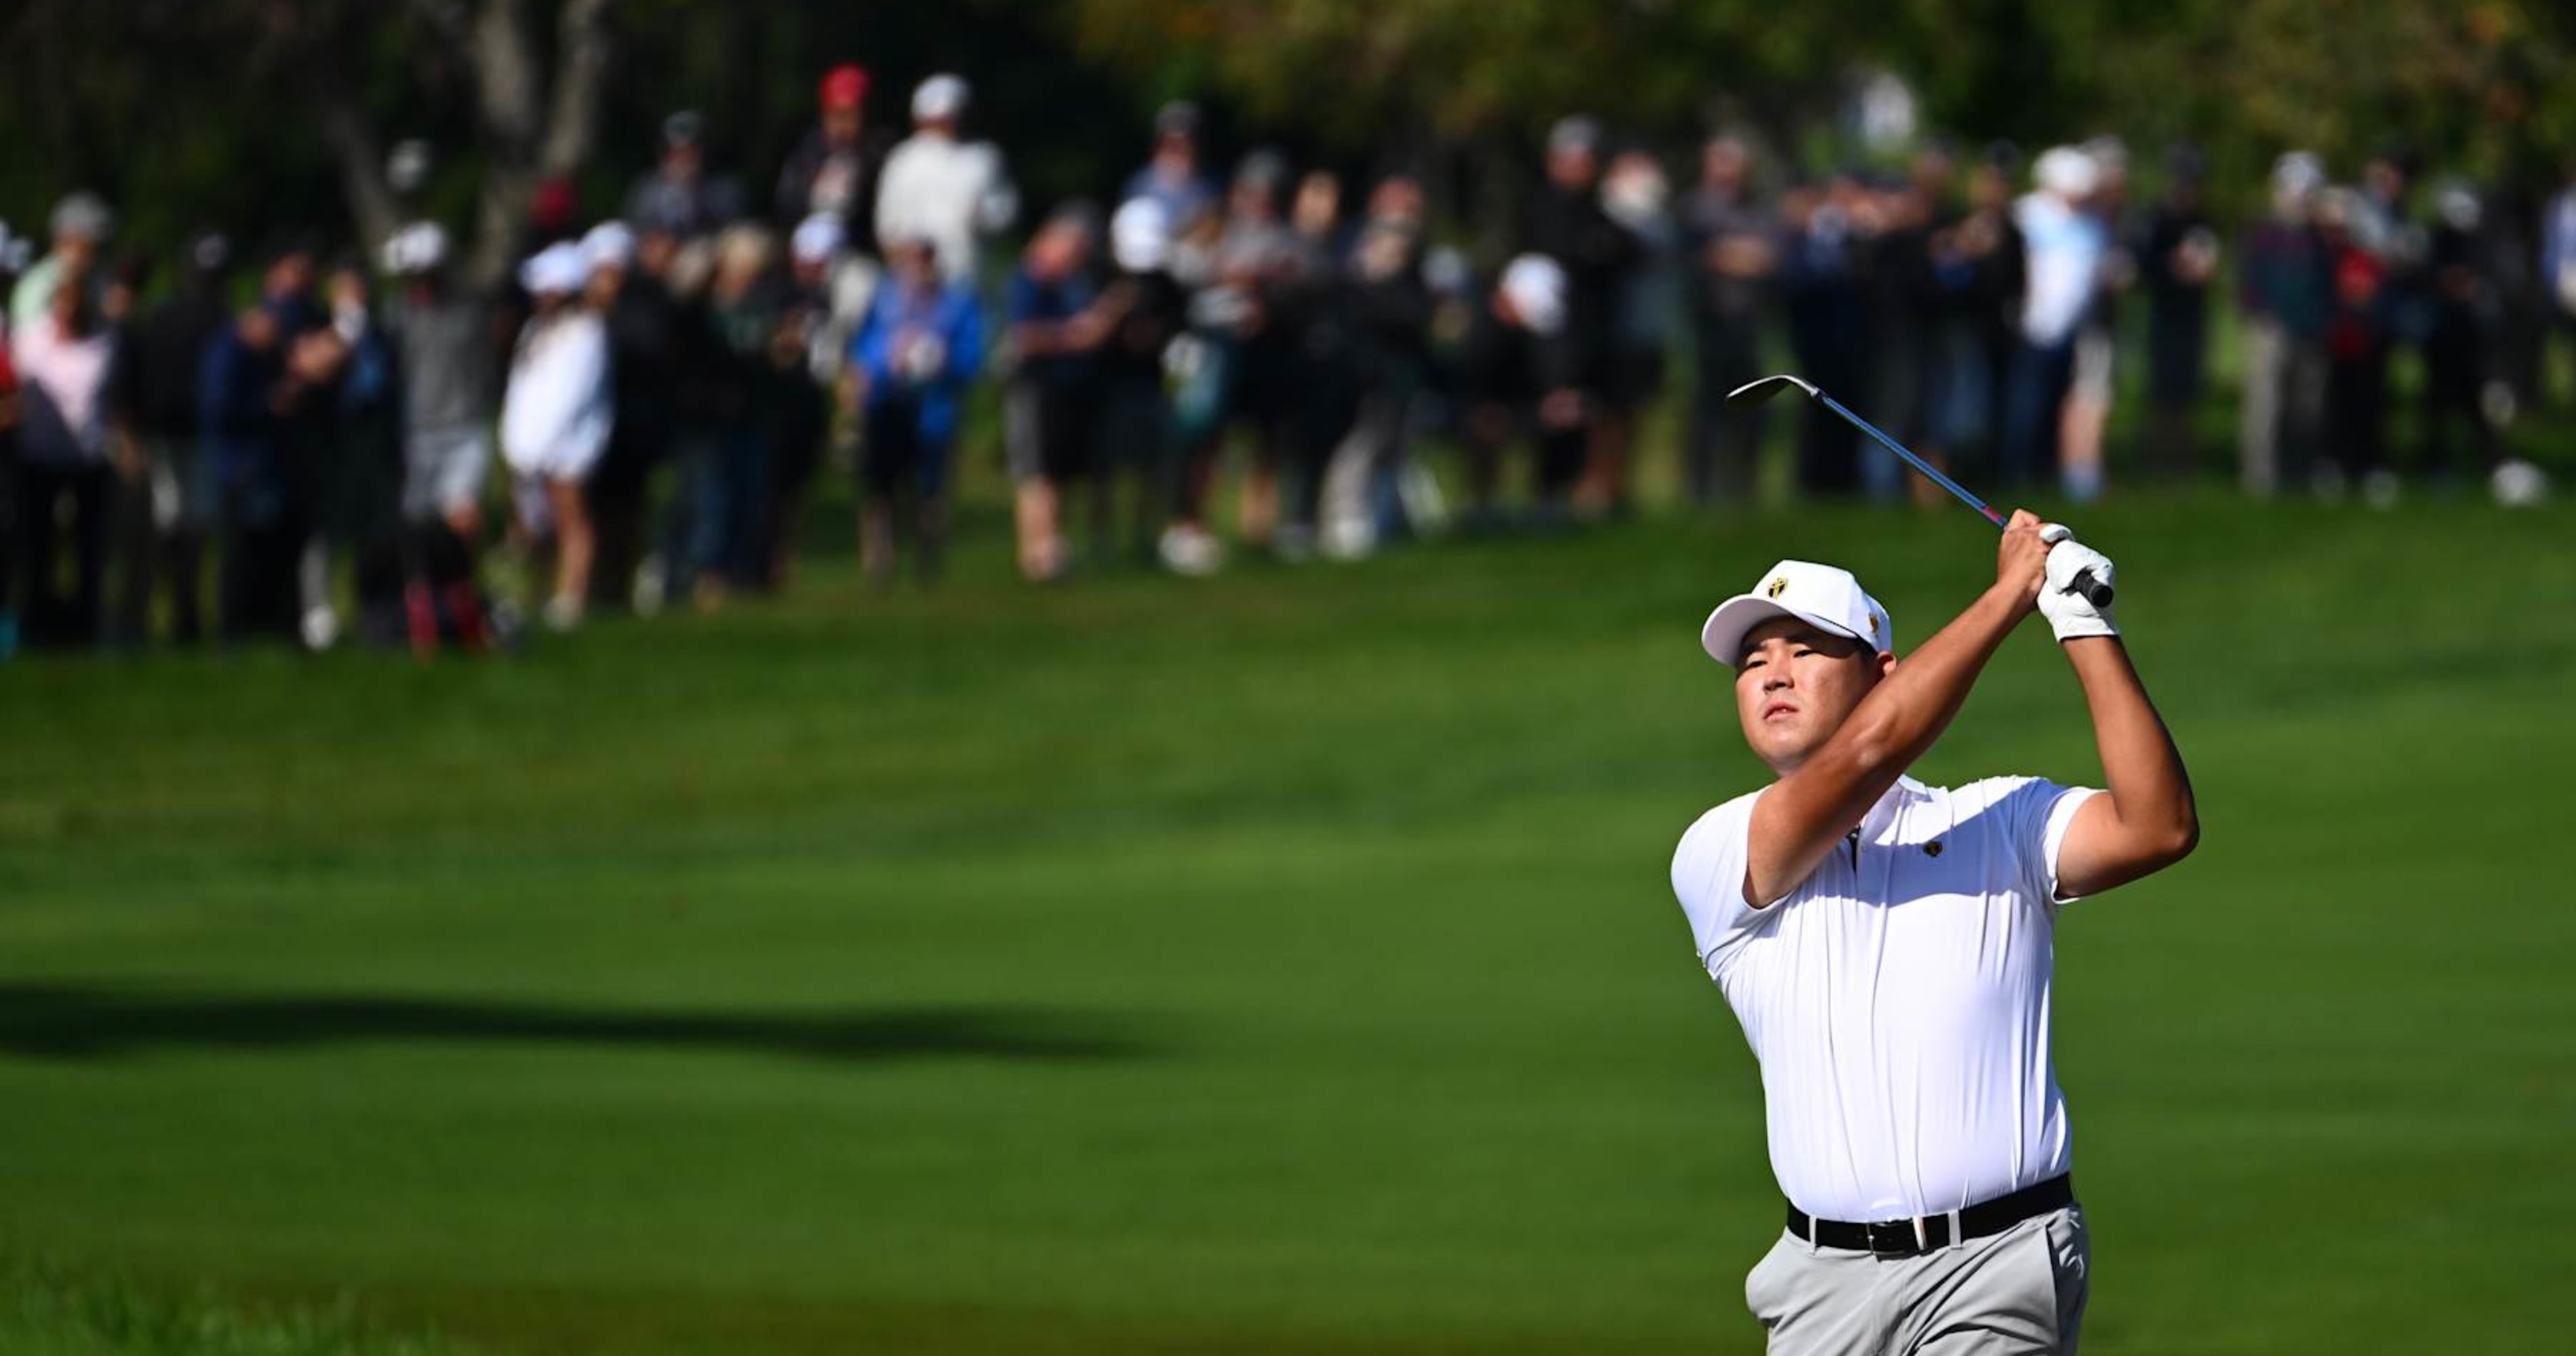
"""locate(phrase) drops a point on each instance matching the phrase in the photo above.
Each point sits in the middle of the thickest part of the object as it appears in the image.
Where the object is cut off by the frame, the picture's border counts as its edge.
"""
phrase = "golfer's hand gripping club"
(2076, 575)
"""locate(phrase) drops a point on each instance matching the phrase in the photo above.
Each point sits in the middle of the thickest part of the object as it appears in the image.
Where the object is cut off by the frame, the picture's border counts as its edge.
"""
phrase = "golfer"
(1887, 946)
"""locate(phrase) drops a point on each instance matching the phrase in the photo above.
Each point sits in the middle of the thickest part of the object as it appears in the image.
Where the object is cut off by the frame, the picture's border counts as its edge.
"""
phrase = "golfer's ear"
(1885, 662)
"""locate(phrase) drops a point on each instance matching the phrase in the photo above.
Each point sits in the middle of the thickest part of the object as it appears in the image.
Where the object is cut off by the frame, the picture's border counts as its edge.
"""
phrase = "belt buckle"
(1893, 1240)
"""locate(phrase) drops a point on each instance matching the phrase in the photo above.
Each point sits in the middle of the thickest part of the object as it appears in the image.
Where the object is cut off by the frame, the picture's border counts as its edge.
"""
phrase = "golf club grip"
(2094, 590)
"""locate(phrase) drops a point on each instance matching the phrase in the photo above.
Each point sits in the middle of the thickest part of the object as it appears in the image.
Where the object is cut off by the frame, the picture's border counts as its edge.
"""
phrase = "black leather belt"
(1915, 1237)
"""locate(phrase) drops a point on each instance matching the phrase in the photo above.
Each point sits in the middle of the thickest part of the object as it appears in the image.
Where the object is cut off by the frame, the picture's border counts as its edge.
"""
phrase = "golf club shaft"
(2092, 589)
(1912, 460)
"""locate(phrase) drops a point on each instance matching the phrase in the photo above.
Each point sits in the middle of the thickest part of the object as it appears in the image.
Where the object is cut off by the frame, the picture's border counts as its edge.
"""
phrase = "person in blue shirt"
(912, 361)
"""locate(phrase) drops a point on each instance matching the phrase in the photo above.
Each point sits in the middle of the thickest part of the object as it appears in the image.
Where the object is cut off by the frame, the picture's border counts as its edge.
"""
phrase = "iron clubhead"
(1760, 389)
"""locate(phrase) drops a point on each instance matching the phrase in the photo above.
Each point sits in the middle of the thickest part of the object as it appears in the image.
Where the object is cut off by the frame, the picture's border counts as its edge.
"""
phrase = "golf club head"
(1760, 389)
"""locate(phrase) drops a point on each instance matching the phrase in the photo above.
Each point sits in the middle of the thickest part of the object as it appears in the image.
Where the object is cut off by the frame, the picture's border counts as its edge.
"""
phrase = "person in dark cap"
(680, 196)
(155, 393)
(81, 226)
(833, 171)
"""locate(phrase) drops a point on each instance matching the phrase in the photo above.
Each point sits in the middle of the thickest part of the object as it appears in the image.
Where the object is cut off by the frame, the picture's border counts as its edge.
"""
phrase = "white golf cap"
(1828, 598)
(420, 247)
(940, 96)
(610, 244)
(2066, 171)
(1535, 285)
(816, 239)
(557, 269)
(1140, 235)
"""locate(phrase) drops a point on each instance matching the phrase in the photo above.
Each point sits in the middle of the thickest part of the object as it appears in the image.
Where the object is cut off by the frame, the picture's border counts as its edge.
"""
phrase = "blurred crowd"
(639, 416)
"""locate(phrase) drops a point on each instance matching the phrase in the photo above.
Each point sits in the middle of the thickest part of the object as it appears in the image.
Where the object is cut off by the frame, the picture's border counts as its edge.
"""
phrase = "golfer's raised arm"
(2148, 821)
(1800, 818)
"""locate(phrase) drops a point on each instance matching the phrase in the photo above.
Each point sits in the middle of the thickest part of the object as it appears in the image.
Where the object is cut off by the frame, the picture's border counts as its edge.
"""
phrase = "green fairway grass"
(1283, 962)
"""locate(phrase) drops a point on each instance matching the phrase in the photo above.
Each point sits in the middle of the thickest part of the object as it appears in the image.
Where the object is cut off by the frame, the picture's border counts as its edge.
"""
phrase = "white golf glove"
(2070, 614)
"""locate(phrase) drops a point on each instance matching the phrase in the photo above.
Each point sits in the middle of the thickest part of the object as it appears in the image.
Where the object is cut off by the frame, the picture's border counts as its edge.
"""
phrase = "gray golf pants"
(2017, 1293)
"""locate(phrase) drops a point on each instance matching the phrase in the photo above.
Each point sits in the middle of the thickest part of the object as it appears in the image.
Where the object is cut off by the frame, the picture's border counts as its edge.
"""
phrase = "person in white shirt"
(2064, 248)
(1887, 947)
(937, 188)
(555, 419)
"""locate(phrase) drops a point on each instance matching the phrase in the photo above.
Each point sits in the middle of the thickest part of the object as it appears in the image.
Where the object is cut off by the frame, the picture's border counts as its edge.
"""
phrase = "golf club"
(1761, 389)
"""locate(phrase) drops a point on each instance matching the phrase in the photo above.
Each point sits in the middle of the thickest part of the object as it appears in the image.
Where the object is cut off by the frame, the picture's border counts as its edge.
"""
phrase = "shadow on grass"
(73, 1022)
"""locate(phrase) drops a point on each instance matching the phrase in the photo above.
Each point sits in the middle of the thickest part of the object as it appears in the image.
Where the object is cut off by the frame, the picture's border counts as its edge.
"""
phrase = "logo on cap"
(1777, 587)
(1873, 626)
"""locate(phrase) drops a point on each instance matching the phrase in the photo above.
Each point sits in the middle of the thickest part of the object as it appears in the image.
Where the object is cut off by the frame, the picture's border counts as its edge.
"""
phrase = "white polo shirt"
(1898, 999)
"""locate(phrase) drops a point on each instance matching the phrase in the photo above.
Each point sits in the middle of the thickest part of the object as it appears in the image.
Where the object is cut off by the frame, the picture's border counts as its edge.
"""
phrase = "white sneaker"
(320, 627)
(2518, 484)
(1349, 538)
(651, 586)
(563, 612)
(1190, 551)
(2380, 489)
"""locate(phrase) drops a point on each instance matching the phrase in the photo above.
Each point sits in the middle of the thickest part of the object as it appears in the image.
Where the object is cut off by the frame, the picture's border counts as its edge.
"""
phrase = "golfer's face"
(1794, 685)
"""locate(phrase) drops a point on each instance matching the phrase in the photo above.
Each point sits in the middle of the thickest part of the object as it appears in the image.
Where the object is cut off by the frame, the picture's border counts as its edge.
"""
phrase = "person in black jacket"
(1567, 224)
(1387, 314)
(163, 535)
(1522, 373)
(834, 169)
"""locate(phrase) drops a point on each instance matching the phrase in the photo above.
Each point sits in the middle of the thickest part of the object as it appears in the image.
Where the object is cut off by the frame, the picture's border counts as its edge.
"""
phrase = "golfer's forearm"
(1901, 717)
(1904, 714)
(2150, 791)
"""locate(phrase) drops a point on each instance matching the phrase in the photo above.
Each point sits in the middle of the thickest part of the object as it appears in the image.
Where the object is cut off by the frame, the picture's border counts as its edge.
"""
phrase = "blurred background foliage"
(218, 112)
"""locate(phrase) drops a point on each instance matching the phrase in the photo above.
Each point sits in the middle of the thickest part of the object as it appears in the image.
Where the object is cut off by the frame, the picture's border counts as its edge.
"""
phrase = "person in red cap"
(833, 171)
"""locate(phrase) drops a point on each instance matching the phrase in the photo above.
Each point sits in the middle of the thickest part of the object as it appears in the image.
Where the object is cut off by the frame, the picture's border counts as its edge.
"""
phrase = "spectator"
(1145, 313)
(1734, 252)
(938, 188)
(1569, 226)
(1521, 369)
(833, 171)
(263, 397)
(81, 225)
(2285, 289)
(627, 292)
(441, 345)
(2357, 336)
(1896, 269)
(2090, 385)
(802, 400)
(741, 316)
(1389, 305)
(156, 395)
(1050, 409)
(1202, 363)
(62, 359)
(358, 473)
(1822, 287)
(2065, 244)
(1308, 307)
(1240, 321)
(555, 420)
(680, 196)
(1642, 324)
(2181, 258)
(1975, 262)
(2459, 342)
(921, 345)
(1172, 178)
